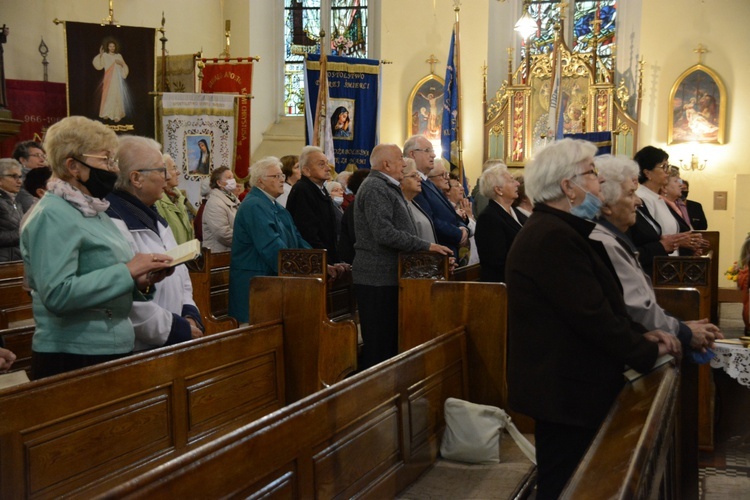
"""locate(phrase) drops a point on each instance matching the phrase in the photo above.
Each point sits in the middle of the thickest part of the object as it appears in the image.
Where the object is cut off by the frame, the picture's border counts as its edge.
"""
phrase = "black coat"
(569, 334)
(697, 217)
(313, 214)
(494, 235)
(646, 235)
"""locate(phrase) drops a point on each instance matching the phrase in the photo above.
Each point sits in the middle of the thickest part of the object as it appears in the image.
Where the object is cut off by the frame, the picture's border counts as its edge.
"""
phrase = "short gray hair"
(6, 164)
(261, 168)
(411, 143)
(132, 153)
(411, 166)
(343, 177)
(307, 151)
(379, 154)
(553, 164)
(614, 170)
(492, 178)
(332, 184)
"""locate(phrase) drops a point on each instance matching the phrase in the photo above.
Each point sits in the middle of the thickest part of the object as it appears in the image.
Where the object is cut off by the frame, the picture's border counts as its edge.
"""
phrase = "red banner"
(38, 105)
(234, 78)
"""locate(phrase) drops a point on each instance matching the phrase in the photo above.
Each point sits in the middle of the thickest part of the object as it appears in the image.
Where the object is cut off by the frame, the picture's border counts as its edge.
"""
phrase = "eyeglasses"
(411, 176)
(41, 156)
(593, 171)
(664, 166)
(112, 163)
(160, 169)
(17, 177)
(428, 150)
(445, 175)
(276, 176)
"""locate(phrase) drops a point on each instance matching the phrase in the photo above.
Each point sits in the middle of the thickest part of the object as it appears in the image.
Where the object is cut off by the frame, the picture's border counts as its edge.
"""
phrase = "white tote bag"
(473, 431)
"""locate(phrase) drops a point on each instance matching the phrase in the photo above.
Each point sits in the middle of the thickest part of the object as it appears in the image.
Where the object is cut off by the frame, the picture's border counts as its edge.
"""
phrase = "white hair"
(332, 184)
(553, 164)
(261, 167)
(492, 178)
(614, 170)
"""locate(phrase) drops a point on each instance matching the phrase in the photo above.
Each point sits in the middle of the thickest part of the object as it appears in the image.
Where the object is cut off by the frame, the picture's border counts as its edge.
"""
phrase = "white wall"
(191, 24)
(410, 32)
(670, 30)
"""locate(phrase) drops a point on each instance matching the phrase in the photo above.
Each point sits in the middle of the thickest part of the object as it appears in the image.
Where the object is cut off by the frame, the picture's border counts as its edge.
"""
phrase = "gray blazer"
(384, 228)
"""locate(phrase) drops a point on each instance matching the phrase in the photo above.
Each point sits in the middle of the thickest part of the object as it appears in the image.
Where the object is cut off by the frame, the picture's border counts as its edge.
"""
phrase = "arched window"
(302, 25)
(582, 19)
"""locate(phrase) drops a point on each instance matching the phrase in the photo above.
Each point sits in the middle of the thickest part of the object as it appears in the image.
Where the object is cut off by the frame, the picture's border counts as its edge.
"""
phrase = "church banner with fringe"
(198, 132)
(352, 108)
(234, 78)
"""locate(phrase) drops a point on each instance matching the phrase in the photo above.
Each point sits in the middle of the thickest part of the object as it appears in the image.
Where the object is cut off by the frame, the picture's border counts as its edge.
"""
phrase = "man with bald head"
(384, 227)
(450, 230)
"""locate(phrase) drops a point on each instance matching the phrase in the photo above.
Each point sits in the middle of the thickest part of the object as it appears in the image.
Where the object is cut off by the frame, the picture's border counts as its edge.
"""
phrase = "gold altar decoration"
(516, 117)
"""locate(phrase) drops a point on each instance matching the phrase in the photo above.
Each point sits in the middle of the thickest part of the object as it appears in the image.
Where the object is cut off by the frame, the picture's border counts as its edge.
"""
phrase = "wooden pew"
(341, 303)
(18, 340)
(700, 273)
(85, 431)
(209, 275)
(631, 455)
(15, 301)
(318, 345)
(417, 272)
(370, 435)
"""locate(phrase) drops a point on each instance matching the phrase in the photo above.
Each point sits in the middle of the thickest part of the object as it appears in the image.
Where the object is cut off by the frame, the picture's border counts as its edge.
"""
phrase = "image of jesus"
(115, 98)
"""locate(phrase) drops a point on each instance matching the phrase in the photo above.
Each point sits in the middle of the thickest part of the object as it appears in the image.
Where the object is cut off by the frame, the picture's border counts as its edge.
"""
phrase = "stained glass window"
(302, 23)
(546, 13)
(586, 15)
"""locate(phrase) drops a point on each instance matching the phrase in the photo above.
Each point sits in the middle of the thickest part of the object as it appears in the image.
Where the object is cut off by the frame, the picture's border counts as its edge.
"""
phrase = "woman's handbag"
(472, 433)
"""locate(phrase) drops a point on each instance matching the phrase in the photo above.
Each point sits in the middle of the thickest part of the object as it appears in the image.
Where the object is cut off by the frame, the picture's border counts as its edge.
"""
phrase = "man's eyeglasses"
(160, 169)
(593, 171)
(277, 176)
(112, 163)
(17, 177)
(444, 175)
(41, 156)
(428, 150)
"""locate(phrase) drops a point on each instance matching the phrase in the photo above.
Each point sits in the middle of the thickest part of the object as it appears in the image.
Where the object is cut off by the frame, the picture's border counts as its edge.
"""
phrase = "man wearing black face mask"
(695, 209)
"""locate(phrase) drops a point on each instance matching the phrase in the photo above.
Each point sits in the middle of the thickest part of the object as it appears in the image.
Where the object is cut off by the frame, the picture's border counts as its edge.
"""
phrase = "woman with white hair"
(171, 316)
(498, 224)
(262, 227)
(618, 213)
(11, 211)
(570, 336)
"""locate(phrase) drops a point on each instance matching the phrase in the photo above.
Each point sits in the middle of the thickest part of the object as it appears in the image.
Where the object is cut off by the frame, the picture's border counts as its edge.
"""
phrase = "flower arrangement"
(341, 44)
(732, 272)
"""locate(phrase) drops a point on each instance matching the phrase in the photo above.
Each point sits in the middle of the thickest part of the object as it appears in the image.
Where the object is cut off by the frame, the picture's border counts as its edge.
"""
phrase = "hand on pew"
(434, 247)
(668, 344)
(704, 334)
(6, 359)
(195, 331)
(337, 270)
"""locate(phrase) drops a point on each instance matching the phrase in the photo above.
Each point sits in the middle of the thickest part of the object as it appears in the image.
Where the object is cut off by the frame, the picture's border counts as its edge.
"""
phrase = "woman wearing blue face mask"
(570, 335)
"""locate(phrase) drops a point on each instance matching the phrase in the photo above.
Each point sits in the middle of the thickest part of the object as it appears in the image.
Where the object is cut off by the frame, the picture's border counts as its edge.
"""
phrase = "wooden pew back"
(324, 351)
(630, 455)
(209, 275)
(15, 301)
(81, 432)
(371, 434)
(18, 340)
(340, 304)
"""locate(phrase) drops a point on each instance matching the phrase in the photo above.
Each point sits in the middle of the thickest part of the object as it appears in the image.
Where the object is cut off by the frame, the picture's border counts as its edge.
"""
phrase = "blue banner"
(602, 140)
(352, 110)
(449, 142)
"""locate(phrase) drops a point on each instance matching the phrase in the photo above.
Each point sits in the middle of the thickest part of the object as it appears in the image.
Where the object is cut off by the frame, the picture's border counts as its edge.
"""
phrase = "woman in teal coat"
(262, 227)
(82, 273)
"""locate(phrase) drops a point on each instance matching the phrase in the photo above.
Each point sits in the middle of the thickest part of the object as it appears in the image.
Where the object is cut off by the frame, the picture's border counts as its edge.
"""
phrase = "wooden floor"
(725, 473)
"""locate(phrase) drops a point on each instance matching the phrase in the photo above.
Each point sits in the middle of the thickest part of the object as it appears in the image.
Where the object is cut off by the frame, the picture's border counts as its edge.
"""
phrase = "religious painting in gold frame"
(424, 109)
(697, 107)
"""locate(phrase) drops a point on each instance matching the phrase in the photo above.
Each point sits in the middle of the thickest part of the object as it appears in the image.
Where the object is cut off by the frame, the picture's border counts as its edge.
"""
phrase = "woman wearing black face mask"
(82, 272)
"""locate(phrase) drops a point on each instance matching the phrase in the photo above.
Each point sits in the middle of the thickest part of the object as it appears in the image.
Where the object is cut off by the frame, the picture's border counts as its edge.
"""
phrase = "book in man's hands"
(185, 252)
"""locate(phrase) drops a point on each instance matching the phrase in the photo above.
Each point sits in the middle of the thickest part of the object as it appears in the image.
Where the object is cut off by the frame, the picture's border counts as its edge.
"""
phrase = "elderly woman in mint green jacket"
(173, 205)
(82, 273)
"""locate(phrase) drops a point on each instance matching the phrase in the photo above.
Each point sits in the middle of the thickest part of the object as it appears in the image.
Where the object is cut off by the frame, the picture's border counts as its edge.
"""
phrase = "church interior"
(654, 43)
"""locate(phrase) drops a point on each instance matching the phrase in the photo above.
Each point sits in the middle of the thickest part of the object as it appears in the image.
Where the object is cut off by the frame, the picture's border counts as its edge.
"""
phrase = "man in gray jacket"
(384, 228)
